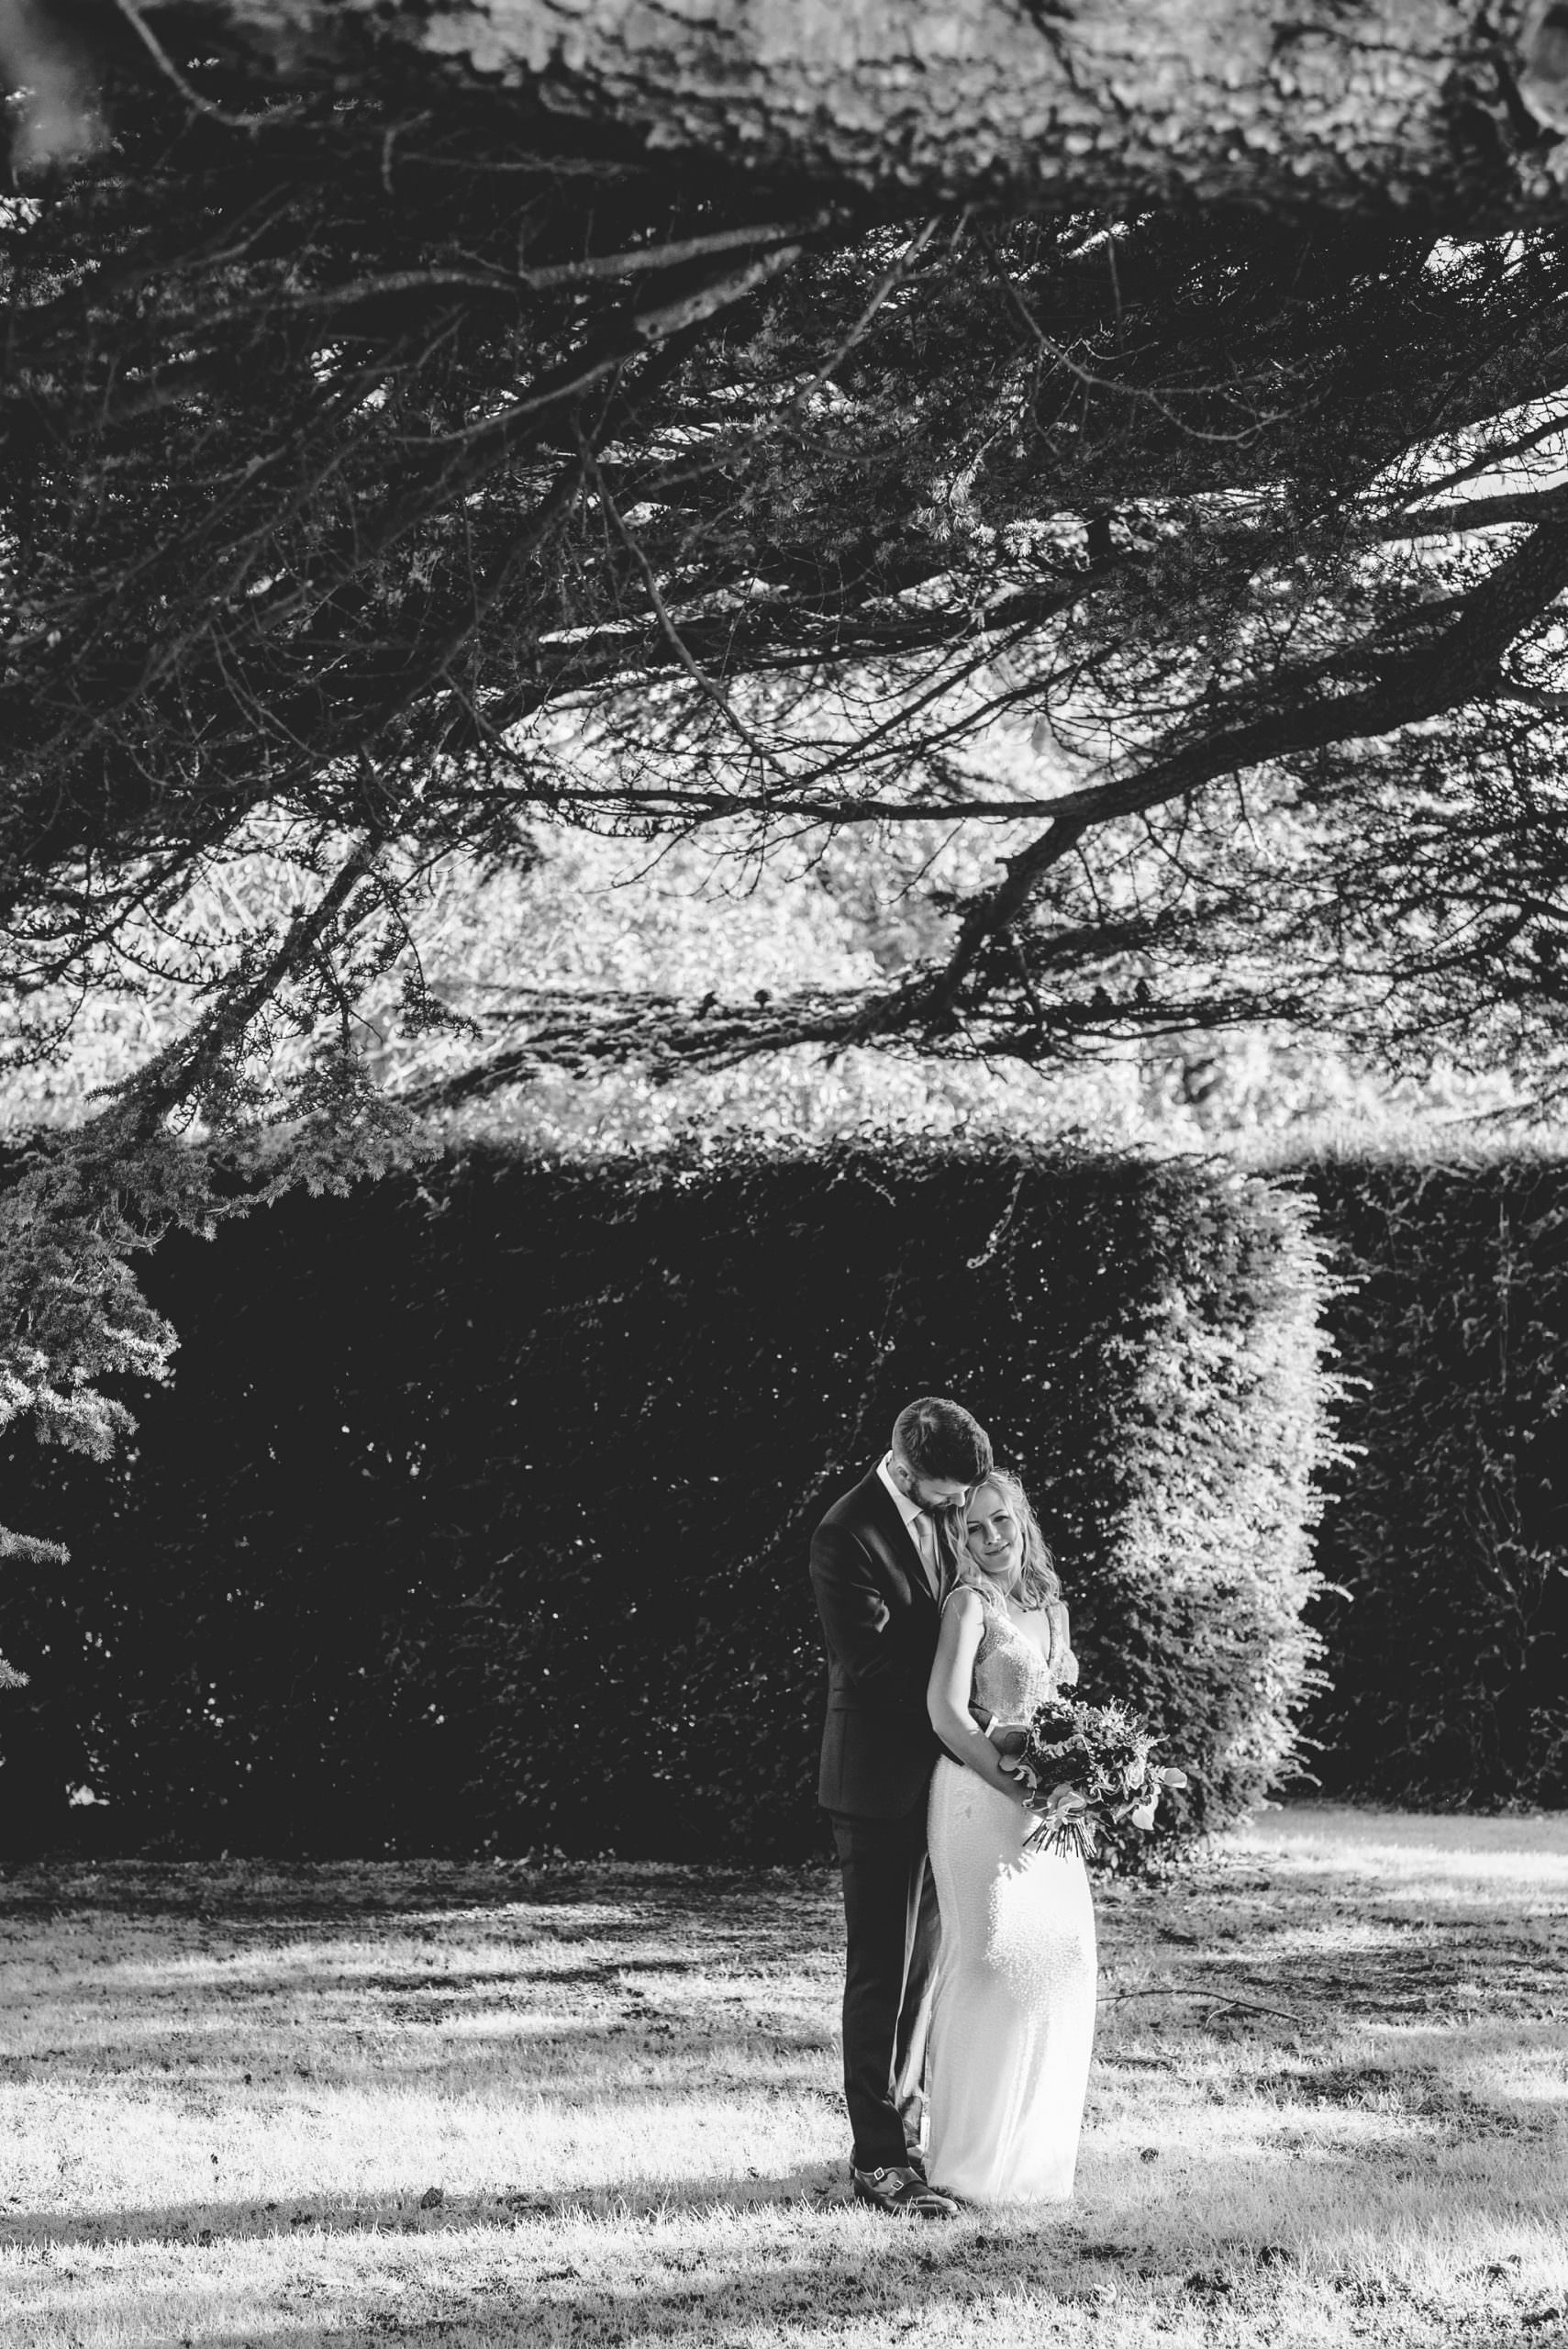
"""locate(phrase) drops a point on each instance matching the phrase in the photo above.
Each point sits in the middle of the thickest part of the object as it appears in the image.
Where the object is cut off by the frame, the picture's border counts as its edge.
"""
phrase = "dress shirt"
(922, 1532)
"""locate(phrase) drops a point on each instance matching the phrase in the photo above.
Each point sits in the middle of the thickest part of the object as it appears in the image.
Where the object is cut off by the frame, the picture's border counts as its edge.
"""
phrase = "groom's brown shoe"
(903, 2191)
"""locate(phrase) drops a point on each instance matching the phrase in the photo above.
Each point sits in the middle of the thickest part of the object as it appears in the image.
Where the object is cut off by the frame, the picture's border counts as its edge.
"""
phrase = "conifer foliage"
(397, 455)
(1445, 1548)
(478, 1519)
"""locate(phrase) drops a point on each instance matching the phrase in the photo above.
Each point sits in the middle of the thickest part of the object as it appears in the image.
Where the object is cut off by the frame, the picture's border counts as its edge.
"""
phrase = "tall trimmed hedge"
(477, 1516)
(1447, 1536)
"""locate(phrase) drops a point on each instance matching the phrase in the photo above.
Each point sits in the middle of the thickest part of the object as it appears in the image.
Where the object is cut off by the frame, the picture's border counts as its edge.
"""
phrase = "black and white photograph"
(783, 1173)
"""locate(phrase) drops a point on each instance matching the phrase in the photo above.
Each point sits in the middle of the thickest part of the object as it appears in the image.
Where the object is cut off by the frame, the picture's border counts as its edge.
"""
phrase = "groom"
(880, 1563)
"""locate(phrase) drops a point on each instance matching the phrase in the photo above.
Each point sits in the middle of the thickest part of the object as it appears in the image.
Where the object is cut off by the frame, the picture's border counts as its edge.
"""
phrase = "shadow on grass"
(1416, 2194)
(593, 2065)
(848, 2270)
(199, 2225)
(833, 2268)
(631, 2048)
(333, 1891)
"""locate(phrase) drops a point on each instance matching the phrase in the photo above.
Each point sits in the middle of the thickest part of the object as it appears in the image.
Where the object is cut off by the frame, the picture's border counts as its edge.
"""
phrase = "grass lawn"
(245, 2103)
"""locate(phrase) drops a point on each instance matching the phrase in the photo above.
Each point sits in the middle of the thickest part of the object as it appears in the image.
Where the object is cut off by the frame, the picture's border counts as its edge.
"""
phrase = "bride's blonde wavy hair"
(1038, 1582)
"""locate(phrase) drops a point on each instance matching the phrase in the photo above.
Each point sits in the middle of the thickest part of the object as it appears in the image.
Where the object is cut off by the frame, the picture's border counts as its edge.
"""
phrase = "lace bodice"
(1011, 1676)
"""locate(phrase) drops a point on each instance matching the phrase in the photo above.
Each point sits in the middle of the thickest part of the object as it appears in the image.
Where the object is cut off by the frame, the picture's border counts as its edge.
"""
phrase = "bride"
(1013, 2014)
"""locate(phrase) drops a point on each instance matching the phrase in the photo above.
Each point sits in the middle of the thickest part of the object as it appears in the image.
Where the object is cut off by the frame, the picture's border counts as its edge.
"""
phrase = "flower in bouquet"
(1091, 1771)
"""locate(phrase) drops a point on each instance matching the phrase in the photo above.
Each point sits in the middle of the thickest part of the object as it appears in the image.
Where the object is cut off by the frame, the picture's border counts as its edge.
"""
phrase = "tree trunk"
(1409, 108)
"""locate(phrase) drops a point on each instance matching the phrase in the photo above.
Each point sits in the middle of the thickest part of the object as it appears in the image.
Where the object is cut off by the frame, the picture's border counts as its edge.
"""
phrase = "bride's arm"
(947, 1694)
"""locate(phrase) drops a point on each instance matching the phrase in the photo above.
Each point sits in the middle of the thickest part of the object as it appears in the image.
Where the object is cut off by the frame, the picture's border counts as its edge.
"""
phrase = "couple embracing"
(968, 1987)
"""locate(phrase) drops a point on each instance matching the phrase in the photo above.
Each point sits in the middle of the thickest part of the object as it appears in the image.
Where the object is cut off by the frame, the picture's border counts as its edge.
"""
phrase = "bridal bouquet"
(1091, 1771)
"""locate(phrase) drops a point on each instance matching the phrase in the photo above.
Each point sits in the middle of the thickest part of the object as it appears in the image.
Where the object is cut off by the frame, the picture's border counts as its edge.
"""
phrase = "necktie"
(925, 1541)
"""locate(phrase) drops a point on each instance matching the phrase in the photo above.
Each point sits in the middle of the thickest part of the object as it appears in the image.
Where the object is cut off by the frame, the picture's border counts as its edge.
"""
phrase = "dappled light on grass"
(601, 2105)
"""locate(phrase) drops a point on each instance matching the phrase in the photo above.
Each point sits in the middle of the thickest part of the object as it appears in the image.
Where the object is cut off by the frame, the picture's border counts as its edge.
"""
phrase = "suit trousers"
(891, 1931)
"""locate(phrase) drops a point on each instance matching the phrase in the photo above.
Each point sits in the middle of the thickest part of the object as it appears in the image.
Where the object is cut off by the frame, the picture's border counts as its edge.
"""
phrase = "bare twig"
(193, 97)
(699, 678)
(1209, 1997)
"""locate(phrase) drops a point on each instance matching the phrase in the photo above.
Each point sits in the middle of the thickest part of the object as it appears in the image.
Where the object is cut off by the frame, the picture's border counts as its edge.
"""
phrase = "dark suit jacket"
(880, 1621)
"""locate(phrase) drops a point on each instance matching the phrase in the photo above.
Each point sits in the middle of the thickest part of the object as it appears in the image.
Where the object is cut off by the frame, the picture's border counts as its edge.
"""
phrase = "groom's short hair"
(942, 1439)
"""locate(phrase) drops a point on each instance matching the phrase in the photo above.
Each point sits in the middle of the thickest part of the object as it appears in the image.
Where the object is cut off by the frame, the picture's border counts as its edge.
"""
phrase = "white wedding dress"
(1013, 2014)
